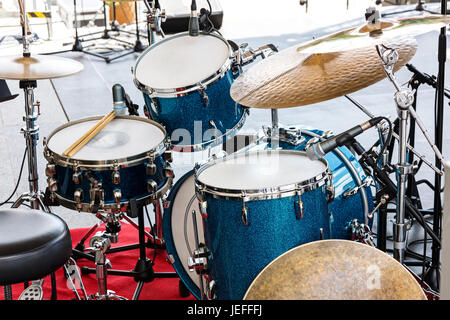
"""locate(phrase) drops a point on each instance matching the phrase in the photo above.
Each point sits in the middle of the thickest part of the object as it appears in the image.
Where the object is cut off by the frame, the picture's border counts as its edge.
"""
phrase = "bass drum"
(350, 202)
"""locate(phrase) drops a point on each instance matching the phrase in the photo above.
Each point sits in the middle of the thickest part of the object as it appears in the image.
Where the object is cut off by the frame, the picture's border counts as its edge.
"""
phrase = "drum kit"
(254, 223)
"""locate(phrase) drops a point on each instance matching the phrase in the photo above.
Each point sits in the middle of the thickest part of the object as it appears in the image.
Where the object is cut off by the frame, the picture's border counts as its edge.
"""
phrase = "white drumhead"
(262, 169)
(119, 139)
(181, 61)
(182, 227)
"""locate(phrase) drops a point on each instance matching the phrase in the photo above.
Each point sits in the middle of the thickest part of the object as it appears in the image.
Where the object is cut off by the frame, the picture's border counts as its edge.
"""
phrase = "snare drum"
(126, 160)
(186, 82)
(256, 206)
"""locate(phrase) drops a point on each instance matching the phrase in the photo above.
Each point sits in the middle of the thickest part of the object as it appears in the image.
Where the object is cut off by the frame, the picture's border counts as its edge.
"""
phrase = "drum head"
(261, 169)
(181, 61)
(121, 138)
(179, 232)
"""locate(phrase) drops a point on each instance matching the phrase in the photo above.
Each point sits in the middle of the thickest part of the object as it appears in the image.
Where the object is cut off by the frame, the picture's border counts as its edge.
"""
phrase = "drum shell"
(274, 226)
(343, 209)
(132, 184)
(193, 113)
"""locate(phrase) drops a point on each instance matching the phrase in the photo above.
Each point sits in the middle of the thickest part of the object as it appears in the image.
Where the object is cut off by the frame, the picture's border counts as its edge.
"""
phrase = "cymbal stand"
(155, 16)
(404, 98)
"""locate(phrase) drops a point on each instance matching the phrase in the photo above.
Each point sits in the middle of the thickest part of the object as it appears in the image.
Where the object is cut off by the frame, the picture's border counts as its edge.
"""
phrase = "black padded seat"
(33, 244)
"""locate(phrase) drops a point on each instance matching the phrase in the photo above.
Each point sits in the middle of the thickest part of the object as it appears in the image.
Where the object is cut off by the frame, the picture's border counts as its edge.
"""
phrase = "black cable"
(18, 179)
(152, 230)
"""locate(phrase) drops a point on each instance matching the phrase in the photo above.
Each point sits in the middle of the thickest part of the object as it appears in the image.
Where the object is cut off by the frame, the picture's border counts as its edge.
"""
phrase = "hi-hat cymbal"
(37, 67)
(335, 270)
(329, 67)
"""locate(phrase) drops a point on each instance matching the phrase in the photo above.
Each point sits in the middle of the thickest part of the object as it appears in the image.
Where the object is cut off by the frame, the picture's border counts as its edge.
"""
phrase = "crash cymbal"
(37, 67)
(335, 270)
(329, 67)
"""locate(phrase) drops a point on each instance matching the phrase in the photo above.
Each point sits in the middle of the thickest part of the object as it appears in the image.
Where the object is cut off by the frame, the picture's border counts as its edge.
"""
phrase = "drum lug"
(330, 193)
(50, 170)
(117, 193)
(330, 189)
(52, 184)
(244, 214)
(204, 96)
(78, 196)
(150, 169)
(203, 205)
(152, 186)
(199, 261)
(115, 176)
(168, 172)
(77, 175)
(211, 290)
(155, 106)
(167, 156)
(299, 208)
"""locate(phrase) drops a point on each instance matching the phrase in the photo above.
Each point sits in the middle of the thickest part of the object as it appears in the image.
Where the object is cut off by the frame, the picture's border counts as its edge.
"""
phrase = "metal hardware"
(168, 172)
(204, 97)
(244, 214)
(211, 290)
(367, 182)
(78, 197)
(299, 208)
(383, 200)
(361, 232)
(50, 170)
(152, 186)
(150, 169)
(77, 176)
(117, 194)
(321, 233)
(167, 156)
(52, 184)
(97, 196)
(199, 261)
(116, 176)
(203, 205)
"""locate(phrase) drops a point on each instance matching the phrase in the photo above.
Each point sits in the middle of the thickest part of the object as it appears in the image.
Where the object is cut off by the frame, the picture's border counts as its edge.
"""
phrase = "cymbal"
(329, 67)
(37, 67)
(335, 270)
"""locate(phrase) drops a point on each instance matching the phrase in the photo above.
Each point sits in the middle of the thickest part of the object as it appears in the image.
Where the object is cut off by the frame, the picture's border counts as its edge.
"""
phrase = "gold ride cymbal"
(335, 270)
(37, 67)
(331, 66)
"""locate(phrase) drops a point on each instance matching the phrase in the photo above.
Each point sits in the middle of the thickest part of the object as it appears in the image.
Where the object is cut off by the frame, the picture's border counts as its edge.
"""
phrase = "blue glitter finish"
(239, 252)
(342, 210)
(133, 181)
(190, 113)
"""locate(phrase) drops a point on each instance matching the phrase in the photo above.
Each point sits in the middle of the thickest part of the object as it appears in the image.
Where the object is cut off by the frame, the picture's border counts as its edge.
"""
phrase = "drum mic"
(194, 28)
(119, 105)
(320, 149)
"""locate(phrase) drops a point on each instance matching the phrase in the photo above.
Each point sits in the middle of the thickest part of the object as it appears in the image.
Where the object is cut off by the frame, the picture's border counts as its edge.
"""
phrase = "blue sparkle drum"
(256, 206)
(126, 160)
(350, 202)
(186, 82)
(352, 194)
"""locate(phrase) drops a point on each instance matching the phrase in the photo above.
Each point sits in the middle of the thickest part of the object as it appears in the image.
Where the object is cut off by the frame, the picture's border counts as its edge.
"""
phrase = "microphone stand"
(433, 275)
(155, 16)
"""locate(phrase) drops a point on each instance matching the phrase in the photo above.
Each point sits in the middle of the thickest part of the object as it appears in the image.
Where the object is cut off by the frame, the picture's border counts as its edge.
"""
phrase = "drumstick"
(77, 145)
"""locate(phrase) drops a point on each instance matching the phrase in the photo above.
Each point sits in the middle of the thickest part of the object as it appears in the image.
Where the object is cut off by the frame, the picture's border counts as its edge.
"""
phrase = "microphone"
(119, 105)
(319, 150)
(194, 28)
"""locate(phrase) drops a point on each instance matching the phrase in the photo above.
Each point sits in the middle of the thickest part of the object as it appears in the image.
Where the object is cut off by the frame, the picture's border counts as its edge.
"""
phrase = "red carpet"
(158, 289)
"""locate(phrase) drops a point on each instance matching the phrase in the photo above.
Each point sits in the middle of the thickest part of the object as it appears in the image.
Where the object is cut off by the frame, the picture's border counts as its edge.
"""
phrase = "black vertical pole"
(432, 276)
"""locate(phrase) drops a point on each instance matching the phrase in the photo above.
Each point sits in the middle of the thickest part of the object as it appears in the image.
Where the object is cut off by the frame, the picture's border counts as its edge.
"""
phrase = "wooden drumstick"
(77, 145)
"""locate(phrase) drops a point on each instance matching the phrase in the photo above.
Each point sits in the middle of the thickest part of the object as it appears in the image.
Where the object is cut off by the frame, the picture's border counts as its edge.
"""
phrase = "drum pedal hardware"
(33, 292)
(361, 232)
